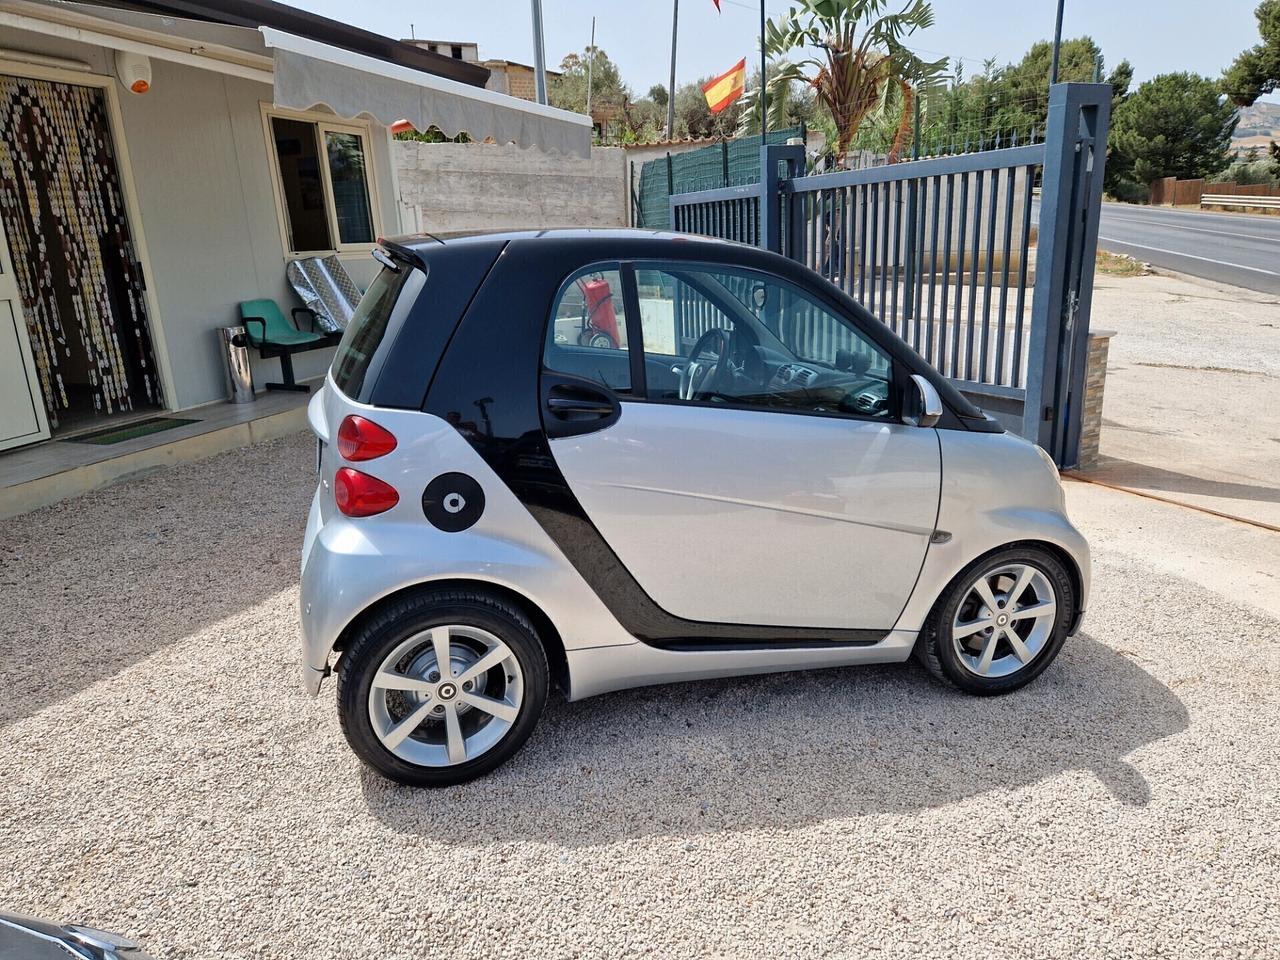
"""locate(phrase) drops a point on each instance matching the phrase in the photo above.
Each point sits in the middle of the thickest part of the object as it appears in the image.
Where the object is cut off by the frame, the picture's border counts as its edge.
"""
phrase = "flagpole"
(591, 62)
(539, 54)
(671, 88)
(764, 112)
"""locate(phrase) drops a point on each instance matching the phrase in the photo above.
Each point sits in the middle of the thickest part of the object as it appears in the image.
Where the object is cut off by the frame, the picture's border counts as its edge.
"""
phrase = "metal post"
(1070, 206)
(771, 188)
(1057, 44)
(913, 228)
(591, 62)
(671, 87)
(631, 192)
(764, 107)
(539, 54)
(915, 138)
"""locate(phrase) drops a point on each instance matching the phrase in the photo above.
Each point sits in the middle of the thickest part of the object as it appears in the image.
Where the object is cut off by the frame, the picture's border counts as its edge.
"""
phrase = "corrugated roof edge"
(301, 23)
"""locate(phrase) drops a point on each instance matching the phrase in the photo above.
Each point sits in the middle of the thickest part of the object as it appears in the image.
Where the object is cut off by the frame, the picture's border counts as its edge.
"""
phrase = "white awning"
(308, 73)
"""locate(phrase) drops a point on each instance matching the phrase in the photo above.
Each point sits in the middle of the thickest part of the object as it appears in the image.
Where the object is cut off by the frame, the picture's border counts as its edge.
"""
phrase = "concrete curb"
(25, 497)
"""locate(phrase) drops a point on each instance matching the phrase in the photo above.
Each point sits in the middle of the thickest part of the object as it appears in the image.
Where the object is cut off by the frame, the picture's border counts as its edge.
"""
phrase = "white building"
(157, 168)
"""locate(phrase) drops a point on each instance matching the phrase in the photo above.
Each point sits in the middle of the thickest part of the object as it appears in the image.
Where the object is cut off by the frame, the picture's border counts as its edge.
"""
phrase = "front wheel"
(1000, 622)
(441, 688)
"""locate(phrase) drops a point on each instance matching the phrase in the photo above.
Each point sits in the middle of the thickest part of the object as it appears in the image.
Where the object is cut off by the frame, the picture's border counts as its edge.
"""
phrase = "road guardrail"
(1237, 200)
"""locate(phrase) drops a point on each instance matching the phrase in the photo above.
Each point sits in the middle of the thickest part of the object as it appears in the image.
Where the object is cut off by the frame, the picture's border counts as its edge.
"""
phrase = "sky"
(1156, 36)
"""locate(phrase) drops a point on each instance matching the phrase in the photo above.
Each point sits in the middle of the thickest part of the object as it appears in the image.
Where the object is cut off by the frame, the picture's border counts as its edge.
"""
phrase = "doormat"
(139, 428)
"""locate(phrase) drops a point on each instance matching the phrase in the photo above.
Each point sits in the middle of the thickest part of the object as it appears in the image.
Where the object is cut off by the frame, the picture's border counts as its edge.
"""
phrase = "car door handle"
(576, 406)
(579, 406)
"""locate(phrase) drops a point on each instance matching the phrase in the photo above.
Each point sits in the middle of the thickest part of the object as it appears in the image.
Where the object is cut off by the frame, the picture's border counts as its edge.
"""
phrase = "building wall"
(447, 187)
(514, 79)
(521, 82)
(202, 175)
(208, 208)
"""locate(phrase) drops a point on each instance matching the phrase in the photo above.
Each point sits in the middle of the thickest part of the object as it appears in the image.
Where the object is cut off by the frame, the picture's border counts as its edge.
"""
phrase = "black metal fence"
(953, 254)
(938, 249)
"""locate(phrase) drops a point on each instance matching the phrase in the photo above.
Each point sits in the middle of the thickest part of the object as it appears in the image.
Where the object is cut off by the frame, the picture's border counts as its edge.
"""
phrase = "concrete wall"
(202, 175)
(447, 187)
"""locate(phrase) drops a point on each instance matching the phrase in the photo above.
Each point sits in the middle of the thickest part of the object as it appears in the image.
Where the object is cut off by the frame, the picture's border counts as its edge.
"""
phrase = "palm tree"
(787, 105)
(862, 59)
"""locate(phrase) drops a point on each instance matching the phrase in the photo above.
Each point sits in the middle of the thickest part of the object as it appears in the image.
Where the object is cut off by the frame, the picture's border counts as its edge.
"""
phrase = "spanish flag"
(723, 90)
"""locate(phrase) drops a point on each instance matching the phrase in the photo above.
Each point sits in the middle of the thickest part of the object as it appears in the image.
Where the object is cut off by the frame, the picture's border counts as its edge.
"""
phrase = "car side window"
(744, 339)
(587, 334)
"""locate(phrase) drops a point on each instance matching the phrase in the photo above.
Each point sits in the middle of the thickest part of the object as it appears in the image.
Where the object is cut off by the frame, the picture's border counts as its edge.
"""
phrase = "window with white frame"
(325, 184)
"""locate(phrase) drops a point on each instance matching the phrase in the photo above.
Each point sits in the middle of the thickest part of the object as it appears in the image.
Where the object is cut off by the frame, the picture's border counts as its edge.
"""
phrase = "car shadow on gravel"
(771, 752)
(95, 584)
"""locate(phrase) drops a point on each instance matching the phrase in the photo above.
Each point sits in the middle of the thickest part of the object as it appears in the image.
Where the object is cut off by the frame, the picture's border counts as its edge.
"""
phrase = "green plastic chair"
(274, 336)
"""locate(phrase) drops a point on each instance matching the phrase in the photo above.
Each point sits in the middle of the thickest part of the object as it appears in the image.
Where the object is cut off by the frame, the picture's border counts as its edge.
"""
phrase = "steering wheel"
(697, 374)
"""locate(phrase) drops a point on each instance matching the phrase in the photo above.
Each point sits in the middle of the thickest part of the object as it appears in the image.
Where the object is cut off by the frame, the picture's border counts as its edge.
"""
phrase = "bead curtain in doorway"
(63, 212)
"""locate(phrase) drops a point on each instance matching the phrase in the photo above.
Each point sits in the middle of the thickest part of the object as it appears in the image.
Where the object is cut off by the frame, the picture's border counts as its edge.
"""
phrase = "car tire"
(961, 609)
(368, 712)
(600, 339)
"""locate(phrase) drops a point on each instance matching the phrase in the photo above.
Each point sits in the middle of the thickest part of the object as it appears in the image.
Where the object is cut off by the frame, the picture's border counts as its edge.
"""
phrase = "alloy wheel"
(1005, 620)
(446, 695)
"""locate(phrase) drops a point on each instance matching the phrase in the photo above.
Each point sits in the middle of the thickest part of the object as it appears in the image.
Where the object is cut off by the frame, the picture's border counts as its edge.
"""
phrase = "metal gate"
(953, 254)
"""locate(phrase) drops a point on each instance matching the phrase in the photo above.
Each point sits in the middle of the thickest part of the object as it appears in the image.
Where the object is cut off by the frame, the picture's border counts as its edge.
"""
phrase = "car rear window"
(368, 328)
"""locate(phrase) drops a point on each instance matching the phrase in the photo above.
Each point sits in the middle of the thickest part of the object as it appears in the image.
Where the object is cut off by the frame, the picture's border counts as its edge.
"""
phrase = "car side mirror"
(924, 405)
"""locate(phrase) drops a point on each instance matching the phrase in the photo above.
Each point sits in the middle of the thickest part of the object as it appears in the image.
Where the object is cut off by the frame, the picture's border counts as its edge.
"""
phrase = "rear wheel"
(595, 337)
(1001, 621)
(442, 687)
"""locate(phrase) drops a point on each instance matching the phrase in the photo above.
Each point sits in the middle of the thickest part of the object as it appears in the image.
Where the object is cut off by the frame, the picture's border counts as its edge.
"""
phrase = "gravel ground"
(162, 774)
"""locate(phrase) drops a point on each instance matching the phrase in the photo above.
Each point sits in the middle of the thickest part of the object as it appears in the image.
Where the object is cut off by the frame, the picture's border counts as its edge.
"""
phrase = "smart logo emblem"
(453, 502)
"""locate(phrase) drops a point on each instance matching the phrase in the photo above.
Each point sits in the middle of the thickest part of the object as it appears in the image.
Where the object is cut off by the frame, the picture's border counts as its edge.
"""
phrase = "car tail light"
(360, 495)
(361, 439)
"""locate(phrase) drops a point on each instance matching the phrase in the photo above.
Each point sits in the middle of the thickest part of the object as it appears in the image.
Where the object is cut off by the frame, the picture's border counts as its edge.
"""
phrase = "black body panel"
(409, 356)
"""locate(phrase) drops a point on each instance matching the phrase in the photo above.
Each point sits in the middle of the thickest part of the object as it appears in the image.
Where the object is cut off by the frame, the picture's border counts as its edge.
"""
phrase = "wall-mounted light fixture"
(134, 71)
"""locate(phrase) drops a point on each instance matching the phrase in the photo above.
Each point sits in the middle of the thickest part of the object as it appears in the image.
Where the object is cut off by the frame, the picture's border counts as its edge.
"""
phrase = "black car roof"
(419, 246)
(415, 241)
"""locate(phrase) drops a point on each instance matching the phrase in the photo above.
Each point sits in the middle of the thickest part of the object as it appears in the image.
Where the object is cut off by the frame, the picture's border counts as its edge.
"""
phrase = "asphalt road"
(1239, 249)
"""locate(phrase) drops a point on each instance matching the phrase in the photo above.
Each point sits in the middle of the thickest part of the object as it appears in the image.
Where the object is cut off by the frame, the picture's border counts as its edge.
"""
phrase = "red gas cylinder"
(600, 307)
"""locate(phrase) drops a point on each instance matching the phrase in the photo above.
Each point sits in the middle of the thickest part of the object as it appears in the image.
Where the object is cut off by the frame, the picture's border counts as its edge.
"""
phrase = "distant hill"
(1258, 126)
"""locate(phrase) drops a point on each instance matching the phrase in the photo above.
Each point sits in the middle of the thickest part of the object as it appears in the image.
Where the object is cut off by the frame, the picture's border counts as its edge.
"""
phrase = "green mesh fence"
(725, 164)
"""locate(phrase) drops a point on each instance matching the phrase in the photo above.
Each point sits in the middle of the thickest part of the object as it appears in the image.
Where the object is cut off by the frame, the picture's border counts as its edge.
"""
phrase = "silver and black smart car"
(603, 459)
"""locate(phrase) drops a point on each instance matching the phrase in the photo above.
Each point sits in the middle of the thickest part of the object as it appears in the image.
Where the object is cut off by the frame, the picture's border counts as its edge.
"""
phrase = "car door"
(760, 474)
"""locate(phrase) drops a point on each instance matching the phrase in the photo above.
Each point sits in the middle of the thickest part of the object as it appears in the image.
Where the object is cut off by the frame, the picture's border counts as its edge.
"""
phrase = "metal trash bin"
(234, 343)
